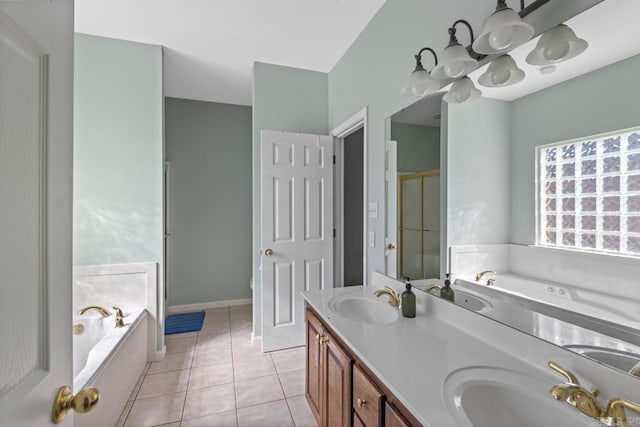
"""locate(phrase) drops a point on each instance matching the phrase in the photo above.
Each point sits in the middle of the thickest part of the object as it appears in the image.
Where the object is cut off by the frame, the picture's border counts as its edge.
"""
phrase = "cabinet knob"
(318, 337)
(324, 340)
(361, 402)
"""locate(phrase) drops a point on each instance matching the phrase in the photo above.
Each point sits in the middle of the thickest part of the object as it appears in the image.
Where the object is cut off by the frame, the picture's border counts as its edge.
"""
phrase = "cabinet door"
(337, 393)
(393, 418)
(313, 384)
(368, 399)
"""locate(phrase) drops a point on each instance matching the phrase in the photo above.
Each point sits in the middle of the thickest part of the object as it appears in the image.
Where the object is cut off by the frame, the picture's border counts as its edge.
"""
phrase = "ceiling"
(610, 28)
(210, 45)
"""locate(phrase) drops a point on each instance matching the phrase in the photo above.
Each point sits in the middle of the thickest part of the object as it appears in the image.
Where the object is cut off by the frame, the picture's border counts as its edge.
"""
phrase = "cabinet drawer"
(357, 422)
(367, 399)
(393, 418)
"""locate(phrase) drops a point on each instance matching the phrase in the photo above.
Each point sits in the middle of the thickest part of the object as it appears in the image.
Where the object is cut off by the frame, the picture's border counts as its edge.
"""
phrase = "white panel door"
(36, 116)
(297, 230)
(391, 190)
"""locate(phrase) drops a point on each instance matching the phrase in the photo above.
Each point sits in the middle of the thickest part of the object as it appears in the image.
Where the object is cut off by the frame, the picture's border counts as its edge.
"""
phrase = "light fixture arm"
(452, 32)
(535, 5)
(419, 58)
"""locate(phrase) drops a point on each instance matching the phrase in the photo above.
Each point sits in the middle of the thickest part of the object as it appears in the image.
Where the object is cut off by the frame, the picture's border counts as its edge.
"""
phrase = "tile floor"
(216, 377)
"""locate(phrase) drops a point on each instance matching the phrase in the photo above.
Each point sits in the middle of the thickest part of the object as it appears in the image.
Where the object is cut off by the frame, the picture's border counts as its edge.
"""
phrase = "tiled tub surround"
(414, 357)
(217, 377)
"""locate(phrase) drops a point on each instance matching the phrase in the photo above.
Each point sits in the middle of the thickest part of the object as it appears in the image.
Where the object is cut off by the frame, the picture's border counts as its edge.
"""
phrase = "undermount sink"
(496, 397)
(364, 310)
(471, 302)
(617, 358)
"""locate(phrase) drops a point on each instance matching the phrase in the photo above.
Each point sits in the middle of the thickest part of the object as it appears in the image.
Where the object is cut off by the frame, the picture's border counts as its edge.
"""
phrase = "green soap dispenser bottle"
(408, 302)
(446, 292)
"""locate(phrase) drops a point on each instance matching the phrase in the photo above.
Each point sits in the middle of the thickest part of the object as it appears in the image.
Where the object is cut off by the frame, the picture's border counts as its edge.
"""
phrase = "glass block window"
(589, 193)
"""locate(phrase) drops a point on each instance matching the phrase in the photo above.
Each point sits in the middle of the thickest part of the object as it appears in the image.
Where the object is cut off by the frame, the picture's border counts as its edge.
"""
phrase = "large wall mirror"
(485, 155)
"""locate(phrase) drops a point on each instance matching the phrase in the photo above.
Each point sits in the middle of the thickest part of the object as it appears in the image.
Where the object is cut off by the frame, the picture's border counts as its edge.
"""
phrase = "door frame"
(352, 124)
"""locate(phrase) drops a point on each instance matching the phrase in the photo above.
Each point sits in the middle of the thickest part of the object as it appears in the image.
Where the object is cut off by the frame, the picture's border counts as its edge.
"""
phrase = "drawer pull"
(318, 337)
(324, 340)
(361, 402)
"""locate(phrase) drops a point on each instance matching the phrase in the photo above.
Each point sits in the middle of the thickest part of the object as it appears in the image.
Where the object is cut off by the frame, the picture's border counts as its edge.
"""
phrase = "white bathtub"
(110, 359)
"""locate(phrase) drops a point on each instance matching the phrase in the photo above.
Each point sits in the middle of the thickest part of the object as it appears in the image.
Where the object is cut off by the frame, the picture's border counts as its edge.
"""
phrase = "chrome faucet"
(482, 273)
(119, 317)
(101, 310)
(394, 297)
(614, 415)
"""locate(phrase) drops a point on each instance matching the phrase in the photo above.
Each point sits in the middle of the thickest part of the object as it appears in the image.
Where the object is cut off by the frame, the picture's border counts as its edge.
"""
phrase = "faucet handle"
(566, 373)
(615, 414)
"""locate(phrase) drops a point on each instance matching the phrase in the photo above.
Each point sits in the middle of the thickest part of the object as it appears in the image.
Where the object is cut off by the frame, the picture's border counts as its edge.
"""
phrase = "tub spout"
(101, 310)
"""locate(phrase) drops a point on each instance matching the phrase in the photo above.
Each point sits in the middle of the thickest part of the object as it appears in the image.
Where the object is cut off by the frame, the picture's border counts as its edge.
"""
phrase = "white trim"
(206, 305)
(352, 124)
(256, 340)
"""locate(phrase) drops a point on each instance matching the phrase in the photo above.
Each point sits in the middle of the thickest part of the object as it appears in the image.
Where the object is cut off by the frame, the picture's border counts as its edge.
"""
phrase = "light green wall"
(118, 152)
(418, 147)
(478, 189)
(288, 99)
(601, 101)
(209, 150)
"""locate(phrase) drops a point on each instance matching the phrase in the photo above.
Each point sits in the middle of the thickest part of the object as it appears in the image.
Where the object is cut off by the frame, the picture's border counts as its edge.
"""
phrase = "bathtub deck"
(217, 377)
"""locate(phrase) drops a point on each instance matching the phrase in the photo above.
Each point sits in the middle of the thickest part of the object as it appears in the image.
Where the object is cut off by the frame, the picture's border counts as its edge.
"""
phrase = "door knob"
(84, 401)
(391, 247)
(268, 252)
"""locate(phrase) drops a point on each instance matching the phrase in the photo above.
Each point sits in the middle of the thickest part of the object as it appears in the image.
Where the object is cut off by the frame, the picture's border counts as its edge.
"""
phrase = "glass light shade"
(421, 83)
(557, 45)
(503, 71)
(462, 90)
(455, 62)
(503, 31)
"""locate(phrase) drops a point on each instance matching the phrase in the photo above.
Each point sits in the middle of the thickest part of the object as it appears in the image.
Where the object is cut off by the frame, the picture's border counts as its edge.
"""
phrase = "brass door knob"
(84, 401)
(361, 402)
(391, 247)
(268, 252)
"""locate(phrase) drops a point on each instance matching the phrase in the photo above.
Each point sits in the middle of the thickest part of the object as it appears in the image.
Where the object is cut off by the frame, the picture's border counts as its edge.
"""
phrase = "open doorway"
(350, 202)
(353, 202)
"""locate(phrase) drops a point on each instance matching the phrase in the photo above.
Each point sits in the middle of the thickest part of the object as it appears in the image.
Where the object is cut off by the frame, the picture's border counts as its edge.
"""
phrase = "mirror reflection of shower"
(416, 130)
(419, 225)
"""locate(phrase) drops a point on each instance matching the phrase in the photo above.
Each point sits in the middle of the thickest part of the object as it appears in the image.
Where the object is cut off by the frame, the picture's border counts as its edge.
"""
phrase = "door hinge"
(334, 159)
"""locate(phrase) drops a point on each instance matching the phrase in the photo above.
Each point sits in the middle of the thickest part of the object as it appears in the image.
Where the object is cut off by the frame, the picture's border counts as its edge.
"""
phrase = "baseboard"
(256, 340)
(206, 305)
(156, 356)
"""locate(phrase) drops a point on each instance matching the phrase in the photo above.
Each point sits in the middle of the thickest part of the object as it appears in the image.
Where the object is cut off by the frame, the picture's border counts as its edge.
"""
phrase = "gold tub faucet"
(119, 316)
(394, 297)
(101, 310)
(482, 273)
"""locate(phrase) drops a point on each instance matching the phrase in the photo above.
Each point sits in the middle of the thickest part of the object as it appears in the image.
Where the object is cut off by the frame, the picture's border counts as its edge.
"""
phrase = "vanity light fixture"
(420, 82)
(455, 59)
(503, 31)
(461, 91)
(557, 45)
(503, 71)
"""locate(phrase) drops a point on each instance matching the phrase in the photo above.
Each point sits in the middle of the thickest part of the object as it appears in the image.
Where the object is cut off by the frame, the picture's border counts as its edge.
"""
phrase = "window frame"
(539, 196)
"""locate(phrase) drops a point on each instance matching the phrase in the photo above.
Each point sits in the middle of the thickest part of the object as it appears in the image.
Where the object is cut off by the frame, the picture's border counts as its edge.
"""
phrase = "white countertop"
(414, 357)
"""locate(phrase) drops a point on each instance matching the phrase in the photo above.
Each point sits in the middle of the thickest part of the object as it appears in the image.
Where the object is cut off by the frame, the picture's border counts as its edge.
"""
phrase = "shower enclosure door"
(36, 152)
(419, 225)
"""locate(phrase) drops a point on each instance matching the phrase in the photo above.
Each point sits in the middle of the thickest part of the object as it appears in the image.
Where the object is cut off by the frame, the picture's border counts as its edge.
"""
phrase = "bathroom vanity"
(369, 366)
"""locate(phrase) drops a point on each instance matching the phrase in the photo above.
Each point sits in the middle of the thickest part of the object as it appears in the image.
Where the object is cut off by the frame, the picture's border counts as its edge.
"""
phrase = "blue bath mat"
(183, 322)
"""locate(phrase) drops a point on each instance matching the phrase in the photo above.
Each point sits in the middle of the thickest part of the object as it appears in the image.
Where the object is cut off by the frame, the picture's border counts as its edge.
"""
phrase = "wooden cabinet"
(393, 418)
(329, 370)
(367, 399)
(341, 390)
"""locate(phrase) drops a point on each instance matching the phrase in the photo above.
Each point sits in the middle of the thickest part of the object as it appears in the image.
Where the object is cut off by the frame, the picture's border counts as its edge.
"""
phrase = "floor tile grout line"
(286, 402)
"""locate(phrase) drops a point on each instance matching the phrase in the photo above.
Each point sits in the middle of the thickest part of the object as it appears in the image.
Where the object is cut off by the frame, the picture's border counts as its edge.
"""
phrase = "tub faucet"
(394, 297)
(101, 310)
(119, 316)
(482, 273)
